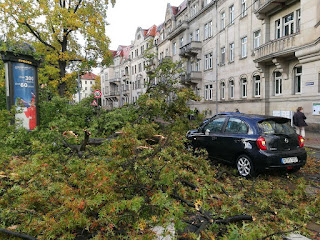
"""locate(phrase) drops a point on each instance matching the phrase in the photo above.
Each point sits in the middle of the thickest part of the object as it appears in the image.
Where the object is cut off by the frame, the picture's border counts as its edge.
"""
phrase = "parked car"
(251, 142)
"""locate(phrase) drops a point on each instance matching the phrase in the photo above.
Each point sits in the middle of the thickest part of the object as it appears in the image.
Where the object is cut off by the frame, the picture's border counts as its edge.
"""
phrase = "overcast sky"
(127, 15)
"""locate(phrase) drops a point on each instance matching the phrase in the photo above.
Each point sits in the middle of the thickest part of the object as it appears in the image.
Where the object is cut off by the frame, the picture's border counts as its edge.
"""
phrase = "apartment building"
(115, 79)
(126, 79)
(86, 83)
(260, 56)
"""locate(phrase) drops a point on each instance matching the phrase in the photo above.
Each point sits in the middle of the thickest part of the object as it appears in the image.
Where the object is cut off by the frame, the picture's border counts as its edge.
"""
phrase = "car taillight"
(261, 142)
(301, 141)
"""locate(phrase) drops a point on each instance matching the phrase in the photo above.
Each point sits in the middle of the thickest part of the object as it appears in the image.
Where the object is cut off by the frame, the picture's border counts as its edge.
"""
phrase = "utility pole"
(79, 86)
(217, 65)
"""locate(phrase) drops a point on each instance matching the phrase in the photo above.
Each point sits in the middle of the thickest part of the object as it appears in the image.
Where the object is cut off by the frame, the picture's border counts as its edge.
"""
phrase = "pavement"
(312, 140)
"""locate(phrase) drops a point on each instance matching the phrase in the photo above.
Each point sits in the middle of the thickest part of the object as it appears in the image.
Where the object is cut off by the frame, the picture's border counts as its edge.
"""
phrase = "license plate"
(289, 160)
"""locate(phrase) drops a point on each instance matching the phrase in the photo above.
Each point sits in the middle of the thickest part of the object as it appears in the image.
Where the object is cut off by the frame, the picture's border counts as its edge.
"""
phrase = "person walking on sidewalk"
(299, 122)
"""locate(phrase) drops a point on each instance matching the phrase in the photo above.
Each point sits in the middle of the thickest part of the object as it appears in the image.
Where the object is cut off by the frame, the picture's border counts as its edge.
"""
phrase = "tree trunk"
(62, 68)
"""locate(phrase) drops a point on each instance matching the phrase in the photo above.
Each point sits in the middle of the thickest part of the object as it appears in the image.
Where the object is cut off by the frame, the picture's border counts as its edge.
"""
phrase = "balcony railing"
(178, 29)
(191, 49)
(191, 77)
(114, 80)
(275, 48)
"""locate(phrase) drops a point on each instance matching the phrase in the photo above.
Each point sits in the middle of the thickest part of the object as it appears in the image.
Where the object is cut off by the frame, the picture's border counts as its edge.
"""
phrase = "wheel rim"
(244, 166)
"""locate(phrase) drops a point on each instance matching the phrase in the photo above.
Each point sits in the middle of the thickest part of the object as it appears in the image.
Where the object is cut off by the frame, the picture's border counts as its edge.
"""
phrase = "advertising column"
(24, 76)
(22, 88)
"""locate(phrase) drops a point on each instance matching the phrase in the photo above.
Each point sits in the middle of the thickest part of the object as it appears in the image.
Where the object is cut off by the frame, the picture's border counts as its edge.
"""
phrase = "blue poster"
(24, 78)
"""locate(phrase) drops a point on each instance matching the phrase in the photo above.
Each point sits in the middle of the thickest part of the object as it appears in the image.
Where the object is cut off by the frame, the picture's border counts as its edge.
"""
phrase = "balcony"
(263, 8)
(191, 78)
(190, 50)
(114, 93)
(178, 29)
(114, 80)
(282, 47)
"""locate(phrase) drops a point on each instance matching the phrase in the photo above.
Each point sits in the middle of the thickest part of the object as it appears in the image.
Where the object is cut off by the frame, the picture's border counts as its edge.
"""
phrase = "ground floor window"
(231, 88)
(297, 79)
(208, 92)
(257, 85)
(277, 83)
(222, 89)
(244, 87)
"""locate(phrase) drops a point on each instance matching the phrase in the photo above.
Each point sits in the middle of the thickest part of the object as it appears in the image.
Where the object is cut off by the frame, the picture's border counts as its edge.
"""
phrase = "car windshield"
(276, 127)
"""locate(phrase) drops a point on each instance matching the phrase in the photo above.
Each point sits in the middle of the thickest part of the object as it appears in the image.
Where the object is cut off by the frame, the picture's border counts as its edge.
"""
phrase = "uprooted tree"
(65, 32)
(142, 179)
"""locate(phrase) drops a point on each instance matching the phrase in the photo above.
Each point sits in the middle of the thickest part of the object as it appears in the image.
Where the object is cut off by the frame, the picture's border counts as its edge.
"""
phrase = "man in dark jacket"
(298, 121)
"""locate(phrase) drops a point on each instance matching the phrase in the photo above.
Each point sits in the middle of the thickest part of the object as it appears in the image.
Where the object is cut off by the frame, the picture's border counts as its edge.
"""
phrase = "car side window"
(215, 125)
(236, 126)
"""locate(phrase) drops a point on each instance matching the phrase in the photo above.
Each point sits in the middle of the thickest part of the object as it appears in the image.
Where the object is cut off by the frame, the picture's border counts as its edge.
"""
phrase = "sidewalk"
(312, 140)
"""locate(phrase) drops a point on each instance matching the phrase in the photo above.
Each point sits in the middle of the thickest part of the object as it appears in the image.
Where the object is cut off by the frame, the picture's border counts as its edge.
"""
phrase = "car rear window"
(276, 126)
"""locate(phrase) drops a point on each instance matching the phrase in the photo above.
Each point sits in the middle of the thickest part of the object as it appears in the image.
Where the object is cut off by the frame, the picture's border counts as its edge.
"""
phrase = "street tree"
(64, 32)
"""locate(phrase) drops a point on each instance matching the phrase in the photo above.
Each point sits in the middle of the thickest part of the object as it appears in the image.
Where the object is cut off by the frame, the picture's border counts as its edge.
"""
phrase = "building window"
(223, 20)
(223, 89)
(223, 56)
(257, 85)
(278, 28)
(288, 23)
(140, 67)
(208, 61)
(197, 37)
(197, 65)
(206, 2)
(231, 52)
(297, 79)
(231, 14)
(298, 20)
(190, 37)
(256, 38)
(243, 8)
(244, 87)
(208, 30)
(243, 47)
(231, 89)
(194, 10)
(208, 92)
(181, 42)
(174, 48)
(277, 83)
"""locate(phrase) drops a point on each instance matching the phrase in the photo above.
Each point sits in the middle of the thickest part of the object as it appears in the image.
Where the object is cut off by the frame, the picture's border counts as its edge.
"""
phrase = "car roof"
(256, 117)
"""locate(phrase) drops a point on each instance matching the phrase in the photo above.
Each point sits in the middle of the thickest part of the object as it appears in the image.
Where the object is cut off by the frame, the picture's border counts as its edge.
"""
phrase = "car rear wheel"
(245, 166)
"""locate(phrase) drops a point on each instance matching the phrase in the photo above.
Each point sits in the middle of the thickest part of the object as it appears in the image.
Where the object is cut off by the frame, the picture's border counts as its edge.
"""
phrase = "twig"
(277, 233)
(15, 234)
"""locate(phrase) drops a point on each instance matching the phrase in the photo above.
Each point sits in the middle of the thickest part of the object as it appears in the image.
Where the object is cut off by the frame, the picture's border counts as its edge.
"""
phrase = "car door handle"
(213, 138)
(237, 141)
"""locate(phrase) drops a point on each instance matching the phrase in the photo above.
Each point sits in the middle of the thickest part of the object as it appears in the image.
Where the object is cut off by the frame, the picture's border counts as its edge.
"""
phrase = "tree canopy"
(64, 32)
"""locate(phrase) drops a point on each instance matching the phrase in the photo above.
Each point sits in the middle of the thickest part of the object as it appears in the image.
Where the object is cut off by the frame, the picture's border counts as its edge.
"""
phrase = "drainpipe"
(217, 47)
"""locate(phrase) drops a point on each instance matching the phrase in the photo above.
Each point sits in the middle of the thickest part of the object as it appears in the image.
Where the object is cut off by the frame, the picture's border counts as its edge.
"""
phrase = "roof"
(89, 76)
(180, 8)
(151, 32)
(122, 51)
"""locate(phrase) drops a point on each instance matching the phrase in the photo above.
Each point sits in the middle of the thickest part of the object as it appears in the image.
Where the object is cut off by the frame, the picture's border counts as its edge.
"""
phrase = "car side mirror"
(207, 132)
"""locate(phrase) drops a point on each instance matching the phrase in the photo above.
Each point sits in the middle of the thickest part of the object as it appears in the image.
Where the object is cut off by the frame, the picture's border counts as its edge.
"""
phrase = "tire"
(245, 166)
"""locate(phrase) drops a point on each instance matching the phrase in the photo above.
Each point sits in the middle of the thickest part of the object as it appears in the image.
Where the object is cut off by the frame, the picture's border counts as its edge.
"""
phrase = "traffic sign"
(94, 103)
(97, 94)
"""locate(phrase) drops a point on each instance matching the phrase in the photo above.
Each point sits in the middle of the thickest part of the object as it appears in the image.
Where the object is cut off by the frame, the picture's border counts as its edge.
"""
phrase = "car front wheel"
(245, 166)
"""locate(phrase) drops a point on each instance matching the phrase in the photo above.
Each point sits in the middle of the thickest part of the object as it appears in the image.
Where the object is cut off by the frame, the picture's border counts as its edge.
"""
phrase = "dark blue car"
(251, 142)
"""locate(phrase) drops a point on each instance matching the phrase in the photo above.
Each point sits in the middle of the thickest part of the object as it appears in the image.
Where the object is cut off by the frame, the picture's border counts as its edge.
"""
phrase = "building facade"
(86, 82)
(259, 56)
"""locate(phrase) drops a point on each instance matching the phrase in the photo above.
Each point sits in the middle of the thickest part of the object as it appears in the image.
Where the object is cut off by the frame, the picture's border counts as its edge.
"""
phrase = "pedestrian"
(299, 122)
(237, 110)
